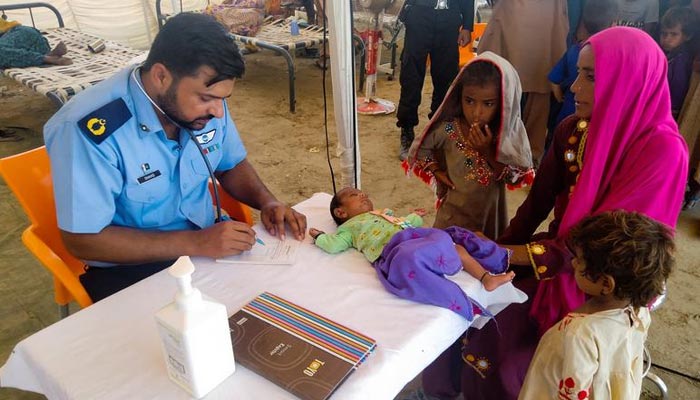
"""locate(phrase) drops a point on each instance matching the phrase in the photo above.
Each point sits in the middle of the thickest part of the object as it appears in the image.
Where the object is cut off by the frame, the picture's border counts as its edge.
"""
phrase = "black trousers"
(100, 282)
(310, 11)
(428, 32)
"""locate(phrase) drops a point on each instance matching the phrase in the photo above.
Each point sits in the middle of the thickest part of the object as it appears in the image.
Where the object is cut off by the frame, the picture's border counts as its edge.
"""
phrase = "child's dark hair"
(478, 73)
(683, 16)
(336, 203)
(632, 248)
(598, 15)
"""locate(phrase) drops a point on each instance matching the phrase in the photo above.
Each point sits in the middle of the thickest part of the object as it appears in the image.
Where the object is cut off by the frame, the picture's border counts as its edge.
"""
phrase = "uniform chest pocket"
(200, 167)
(149, 202)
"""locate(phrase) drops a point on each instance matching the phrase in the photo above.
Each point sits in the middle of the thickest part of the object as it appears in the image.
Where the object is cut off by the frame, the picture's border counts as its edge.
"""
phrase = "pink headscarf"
(634, 160)
(631, 118)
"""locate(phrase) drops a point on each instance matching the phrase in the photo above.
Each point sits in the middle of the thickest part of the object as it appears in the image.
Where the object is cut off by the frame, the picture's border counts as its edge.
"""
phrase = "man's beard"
(168, 103)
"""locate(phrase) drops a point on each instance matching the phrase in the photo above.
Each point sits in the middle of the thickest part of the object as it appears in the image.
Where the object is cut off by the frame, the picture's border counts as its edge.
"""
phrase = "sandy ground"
(288, 151)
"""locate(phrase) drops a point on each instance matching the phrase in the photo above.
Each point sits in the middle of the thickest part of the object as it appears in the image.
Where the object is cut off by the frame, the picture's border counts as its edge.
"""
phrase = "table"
(111, 349)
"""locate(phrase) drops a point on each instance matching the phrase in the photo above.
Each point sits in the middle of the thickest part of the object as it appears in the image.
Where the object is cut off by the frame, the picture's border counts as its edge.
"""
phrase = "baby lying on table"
(411, 261)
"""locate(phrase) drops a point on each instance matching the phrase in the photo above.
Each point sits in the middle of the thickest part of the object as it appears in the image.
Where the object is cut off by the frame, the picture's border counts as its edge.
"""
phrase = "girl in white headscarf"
(474, 145)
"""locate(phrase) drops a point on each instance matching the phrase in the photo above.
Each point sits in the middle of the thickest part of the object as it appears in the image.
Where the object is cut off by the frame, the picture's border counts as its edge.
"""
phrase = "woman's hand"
(557, 92)
(480, 139)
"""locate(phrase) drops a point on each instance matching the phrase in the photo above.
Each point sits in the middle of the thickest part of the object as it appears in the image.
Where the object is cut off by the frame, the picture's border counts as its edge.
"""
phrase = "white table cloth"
(111, 350)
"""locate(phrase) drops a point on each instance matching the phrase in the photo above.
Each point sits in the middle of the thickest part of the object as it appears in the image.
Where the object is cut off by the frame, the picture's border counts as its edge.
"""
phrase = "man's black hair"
(189, 41)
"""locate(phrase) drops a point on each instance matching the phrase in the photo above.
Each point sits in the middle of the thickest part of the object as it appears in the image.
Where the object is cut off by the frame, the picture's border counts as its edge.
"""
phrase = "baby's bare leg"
(473, 268)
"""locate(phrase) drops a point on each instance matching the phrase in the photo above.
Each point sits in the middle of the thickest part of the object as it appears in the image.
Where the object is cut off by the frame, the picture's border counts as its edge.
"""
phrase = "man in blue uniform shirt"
(129, 179)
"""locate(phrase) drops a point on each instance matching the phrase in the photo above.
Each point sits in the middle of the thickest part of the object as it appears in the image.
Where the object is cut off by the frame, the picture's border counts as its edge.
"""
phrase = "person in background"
(678, 26)
(689, 122)
(131, 158)
(474, 147)
(597, 15)
(574, 11)
(23, 46)
(621, 261)
(531, 35)
(664, 5)
(433, 28)
(642, 14)
(240, 17)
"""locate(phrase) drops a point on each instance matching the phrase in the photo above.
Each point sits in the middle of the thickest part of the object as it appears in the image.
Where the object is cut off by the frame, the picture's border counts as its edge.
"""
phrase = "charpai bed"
(60, 83)
(275, 34)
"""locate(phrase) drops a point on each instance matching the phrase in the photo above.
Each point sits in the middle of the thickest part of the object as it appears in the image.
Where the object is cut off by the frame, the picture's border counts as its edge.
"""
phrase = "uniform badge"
(204, 138)
(104, 121)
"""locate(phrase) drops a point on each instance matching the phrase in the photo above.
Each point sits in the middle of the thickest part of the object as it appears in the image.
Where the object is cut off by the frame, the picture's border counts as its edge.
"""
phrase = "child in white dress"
(621, 262)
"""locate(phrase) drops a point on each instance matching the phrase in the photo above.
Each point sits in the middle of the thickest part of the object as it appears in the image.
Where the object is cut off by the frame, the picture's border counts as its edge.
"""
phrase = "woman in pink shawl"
(621, 150)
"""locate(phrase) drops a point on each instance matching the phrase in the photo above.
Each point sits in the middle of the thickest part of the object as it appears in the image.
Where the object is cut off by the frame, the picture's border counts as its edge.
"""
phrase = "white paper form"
(274, 251)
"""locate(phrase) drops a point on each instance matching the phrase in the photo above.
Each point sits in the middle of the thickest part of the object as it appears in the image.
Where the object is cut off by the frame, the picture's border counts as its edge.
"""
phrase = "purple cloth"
(680, 67)
(414, 263)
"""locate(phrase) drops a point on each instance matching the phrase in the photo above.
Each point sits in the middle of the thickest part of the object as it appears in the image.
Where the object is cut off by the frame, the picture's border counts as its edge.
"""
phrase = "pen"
(260, 241)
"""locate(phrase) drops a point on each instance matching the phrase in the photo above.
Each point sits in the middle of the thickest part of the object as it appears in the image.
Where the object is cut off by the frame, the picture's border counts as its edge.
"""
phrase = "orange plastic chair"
(234, 208)
(466, 53)
(28, 175)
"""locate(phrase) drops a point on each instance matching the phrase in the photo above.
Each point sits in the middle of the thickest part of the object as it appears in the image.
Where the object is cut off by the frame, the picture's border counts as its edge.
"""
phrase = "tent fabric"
(344, 103)
(133, 23)
(128, 22)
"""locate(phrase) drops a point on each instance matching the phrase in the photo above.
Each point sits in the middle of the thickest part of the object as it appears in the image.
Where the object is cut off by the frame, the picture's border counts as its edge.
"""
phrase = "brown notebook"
(303, 352)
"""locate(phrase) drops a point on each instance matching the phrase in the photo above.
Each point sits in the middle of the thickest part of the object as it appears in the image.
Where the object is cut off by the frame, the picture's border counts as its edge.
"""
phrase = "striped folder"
(297, 349)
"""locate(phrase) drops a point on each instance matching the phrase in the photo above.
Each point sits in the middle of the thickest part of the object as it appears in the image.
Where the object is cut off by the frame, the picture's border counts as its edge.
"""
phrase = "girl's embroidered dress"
(478, 201)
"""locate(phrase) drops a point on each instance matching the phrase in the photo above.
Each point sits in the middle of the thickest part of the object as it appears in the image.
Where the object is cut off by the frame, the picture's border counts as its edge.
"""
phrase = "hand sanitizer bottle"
(195, 335)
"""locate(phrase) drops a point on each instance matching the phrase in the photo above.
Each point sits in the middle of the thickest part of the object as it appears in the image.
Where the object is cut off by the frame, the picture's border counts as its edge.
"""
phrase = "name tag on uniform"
(149, 176)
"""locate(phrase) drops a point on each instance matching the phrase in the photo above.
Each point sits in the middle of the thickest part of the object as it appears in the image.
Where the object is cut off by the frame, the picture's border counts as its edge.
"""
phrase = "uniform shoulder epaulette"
(99, 124)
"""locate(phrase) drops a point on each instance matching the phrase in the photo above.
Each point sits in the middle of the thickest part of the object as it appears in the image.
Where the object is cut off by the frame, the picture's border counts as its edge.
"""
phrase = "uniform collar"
(144, 112)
